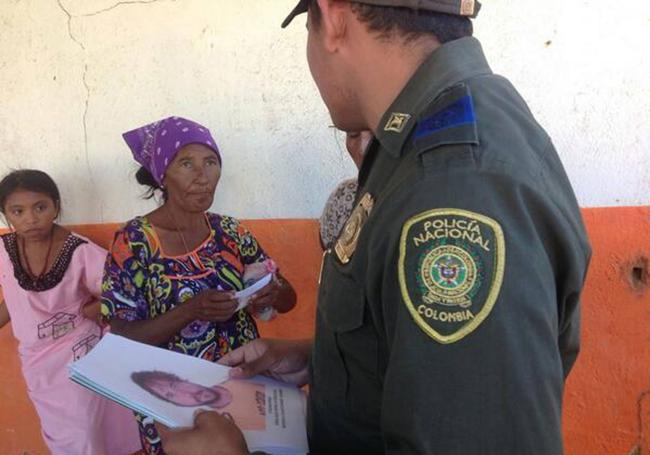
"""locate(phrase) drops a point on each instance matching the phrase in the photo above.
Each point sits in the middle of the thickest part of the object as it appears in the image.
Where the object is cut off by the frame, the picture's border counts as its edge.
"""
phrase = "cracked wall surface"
(75, 74)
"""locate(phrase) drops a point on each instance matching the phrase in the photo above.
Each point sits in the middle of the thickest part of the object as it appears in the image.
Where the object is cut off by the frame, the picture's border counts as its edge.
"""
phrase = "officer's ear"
(333, 22)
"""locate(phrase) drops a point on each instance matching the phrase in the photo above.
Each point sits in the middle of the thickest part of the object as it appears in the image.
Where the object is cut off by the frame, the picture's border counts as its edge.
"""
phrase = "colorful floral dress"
(141, 282)
(46, 319)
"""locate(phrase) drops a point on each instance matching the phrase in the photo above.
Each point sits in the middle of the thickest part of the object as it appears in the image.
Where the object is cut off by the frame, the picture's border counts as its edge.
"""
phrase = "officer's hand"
(285, 360)
(212, 434)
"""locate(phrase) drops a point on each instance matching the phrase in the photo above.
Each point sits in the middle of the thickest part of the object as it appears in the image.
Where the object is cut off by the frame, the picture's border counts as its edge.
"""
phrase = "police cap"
(468, 8)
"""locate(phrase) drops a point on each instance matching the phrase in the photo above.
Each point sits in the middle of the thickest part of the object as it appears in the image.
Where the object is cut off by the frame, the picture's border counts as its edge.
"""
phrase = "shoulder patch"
(449, 120)
(451, 267)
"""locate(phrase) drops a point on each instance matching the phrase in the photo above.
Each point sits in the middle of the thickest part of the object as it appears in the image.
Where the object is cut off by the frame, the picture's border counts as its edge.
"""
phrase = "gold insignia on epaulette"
(451, 268)
(347, 241)
(397, 122)
(467, 7)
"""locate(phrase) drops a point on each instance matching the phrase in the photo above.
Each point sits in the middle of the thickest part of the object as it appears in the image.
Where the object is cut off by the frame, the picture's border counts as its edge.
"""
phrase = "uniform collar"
(448, 65)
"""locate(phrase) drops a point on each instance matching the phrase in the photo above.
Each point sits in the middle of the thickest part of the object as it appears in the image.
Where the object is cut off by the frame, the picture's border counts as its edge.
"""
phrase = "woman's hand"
(278, 295)
(211, 305)
(265, 299)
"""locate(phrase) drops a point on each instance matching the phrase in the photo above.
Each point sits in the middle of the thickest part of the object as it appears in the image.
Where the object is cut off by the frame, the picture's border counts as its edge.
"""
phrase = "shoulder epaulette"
(450, 119)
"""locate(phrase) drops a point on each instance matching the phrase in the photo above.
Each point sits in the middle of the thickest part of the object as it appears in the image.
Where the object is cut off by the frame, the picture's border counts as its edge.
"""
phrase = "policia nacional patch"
(451, 267)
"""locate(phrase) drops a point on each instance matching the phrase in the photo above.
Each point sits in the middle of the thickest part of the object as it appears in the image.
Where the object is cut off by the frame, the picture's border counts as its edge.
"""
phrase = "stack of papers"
(170, 387)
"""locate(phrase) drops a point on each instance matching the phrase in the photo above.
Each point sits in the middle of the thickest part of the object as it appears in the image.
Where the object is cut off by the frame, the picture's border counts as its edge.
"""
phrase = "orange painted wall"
(294, 245)
(606, 411)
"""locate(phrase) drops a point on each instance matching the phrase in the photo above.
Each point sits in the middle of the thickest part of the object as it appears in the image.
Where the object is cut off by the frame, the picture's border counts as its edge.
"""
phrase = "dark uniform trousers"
(394, 371)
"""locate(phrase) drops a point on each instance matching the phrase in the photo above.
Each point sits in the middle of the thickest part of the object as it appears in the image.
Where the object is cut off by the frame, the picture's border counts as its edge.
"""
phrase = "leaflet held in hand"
(170, 387)
(245, 294)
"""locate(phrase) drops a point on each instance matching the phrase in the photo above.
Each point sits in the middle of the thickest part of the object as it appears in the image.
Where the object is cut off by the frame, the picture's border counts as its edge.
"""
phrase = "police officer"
(448, 309)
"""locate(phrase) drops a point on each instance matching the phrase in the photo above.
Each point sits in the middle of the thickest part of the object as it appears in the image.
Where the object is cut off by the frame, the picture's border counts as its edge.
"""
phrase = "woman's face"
(356, 143)
(185, 393)
(192, 177)
(31, 214)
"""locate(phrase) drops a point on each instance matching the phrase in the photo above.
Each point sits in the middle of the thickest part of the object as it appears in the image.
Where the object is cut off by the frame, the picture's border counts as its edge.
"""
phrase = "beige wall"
(74, 74)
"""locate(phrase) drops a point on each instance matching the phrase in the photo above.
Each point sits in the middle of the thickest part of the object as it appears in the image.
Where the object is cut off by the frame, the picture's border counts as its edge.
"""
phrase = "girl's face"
(31, 214)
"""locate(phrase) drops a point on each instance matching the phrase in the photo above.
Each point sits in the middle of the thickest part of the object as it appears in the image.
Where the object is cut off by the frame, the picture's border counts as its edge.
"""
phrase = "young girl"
(51, 280)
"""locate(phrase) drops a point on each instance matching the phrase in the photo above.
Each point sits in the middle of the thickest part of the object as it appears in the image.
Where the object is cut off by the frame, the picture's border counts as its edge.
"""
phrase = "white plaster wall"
(74, 74)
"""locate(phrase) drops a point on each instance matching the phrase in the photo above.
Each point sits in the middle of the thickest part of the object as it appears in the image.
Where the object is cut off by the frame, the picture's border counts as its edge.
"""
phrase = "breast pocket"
(351, 339)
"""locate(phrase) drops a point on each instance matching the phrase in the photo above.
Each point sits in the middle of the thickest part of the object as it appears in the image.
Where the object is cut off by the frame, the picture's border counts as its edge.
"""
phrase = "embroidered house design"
(57, 326)
(83, 346)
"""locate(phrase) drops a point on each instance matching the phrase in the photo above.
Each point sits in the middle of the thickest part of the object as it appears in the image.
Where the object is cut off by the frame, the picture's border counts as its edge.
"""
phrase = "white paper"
(271, 414)
(244, 295)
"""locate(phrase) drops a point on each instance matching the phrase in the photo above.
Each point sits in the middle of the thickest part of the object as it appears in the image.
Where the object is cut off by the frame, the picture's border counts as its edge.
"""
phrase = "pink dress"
(51, 331)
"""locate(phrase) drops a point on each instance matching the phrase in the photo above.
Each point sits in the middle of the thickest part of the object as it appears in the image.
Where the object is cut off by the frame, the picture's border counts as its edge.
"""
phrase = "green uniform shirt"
(448, 315)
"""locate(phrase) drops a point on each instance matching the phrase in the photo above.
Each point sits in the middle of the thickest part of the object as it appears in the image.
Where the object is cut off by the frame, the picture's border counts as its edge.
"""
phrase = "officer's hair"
(407, 23)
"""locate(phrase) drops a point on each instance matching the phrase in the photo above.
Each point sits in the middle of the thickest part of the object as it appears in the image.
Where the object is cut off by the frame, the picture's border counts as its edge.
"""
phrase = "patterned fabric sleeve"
(337, 210)
(123, 288)
(250, 251)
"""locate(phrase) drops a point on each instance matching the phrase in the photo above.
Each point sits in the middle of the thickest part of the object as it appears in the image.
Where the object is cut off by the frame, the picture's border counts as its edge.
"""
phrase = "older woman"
(171, 274)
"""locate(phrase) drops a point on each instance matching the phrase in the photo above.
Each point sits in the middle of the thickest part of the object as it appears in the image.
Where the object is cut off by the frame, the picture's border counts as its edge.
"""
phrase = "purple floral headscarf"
(155, 145)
